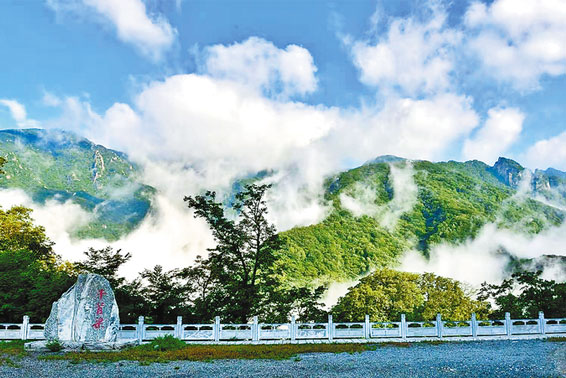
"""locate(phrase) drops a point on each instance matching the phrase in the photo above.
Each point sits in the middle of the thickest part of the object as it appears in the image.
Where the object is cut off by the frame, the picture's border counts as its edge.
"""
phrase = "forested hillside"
(436, 203)
(51, 164)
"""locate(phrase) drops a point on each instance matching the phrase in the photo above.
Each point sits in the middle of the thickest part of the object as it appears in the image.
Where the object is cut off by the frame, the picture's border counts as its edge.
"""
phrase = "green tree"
(164, 294)
(524, 294)
(107, 262)
(383, 295)
(386, 294)
(17, 232)
(2, 162)
(243, 254)
(447, 297)
(29, 286)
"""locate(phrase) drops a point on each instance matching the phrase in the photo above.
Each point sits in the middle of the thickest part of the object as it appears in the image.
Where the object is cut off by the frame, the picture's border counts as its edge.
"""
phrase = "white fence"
(330, 331)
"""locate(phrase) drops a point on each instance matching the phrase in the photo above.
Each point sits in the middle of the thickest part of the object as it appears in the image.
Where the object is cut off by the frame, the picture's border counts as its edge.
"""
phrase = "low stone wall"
(311, 332)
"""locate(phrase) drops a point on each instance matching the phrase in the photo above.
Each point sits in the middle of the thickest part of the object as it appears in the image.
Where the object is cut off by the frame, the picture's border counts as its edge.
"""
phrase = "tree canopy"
(386, 294)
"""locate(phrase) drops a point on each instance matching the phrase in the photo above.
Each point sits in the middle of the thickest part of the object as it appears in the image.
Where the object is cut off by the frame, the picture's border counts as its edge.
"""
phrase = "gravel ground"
(526, 358)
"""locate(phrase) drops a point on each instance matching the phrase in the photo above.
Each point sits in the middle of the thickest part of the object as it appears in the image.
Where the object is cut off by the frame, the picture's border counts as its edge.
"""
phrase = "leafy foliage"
(454, 201)
(524, 295)
(29, 286)
(165, 343)
(386, 294)
(239, 278)
(54, 345)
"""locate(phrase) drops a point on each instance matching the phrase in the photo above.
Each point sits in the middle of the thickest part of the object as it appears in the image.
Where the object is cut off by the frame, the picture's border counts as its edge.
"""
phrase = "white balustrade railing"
(294, 331)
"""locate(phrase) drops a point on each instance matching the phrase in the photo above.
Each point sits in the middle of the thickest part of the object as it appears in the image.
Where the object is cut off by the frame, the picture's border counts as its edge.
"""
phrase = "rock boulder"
(87, 312)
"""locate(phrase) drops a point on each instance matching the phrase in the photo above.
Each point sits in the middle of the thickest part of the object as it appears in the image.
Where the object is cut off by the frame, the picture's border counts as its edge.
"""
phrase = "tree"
(17, 232)
(164, 294)
(29, 286)
(524, 294)
(386, 294)
(383, 295)
(240, 262)
(447, 297)
(107, 262)
(2, 162)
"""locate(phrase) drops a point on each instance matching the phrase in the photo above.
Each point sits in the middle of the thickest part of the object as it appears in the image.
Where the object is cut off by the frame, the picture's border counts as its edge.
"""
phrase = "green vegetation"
(10, 350)
(54, 345)
(556, 339)
(146, 354)
(13, 347)
(32, 276)
(239, 278)
(57, 165)
(386, 294)
(454, 201)
(524, 295)
(165, 343)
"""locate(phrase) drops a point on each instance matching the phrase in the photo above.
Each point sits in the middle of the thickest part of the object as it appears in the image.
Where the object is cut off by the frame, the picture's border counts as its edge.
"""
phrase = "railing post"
(293, 329)
(439, 326)
(217, 328)
(474, 323)
(403, 327)
(255, 330)
(541, 323)
(140, 329)
(25, 324)
(508, 324)
(179, 328)
(330, 328)
(367, 328)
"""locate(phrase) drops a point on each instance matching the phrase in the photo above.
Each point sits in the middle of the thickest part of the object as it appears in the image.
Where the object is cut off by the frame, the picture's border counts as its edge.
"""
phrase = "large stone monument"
(86, 312)
(85, 317)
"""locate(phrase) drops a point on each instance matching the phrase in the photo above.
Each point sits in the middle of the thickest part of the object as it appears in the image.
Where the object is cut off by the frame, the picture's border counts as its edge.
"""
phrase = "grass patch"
(146, 353)
(394, 344)
(9, 349)
(12, 347)
(556, 339)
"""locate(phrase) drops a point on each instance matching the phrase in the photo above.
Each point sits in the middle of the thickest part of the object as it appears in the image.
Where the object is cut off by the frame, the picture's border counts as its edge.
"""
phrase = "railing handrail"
(319, 330)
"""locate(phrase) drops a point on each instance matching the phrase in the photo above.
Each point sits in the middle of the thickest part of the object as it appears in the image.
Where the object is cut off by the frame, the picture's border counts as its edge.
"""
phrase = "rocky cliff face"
(508, 171)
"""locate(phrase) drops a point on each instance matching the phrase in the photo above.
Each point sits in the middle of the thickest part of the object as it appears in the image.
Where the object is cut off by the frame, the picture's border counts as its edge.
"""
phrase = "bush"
(166, 343)
(54, 345)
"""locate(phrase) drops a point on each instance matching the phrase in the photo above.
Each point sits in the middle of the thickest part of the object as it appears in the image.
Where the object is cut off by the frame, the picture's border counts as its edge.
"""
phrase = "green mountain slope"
(52, 164)
(451, 202)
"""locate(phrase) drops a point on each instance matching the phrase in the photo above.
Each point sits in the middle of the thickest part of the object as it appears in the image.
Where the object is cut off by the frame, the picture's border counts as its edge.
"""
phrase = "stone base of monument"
(75, 346)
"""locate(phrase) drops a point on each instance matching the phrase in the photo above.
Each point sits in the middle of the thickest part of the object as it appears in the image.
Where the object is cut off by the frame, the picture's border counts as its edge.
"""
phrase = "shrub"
(166, 343)
(54, 345)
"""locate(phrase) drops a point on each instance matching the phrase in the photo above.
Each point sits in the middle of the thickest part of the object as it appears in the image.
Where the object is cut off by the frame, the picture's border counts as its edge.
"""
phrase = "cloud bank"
(246, 109)
(152, 35)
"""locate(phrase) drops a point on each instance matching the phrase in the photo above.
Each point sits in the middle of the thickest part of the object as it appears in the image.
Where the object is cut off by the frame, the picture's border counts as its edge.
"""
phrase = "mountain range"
(61, 166)
(375, 211)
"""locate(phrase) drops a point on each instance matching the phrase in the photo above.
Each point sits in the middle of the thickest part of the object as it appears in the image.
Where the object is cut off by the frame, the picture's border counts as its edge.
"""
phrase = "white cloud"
(152, 35)
(415, 129)
(18, 113)
(260, 64)
(361, 200)
(500, 131)
(518, 41)
(414, 56)
(169, 236)
(479, 260)
(549, 152)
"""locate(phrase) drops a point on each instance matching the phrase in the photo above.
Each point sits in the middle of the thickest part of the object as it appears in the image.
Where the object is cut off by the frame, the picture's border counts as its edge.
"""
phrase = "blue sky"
(434, 80)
